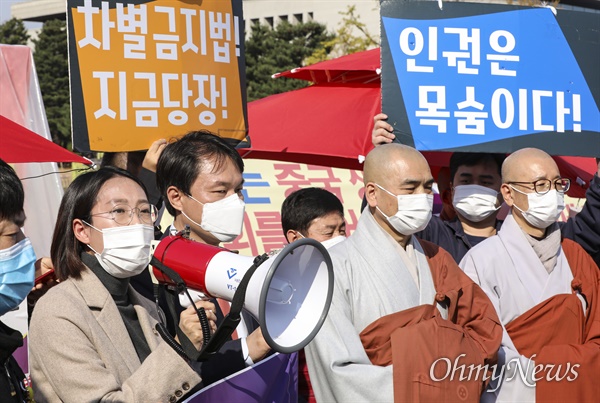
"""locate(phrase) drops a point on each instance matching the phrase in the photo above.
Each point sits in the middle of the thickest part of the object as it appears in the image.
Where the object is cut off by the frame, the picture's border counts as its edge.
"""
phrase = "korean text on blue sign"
(496, 75)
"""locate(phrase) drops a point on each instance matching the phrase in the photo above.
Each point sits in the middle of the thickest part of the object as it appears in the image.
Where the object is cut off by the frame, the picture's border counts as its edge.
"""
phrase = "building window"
(269, 21)
(283, 18)
(310, 16)
(298, 18)
(254, 21)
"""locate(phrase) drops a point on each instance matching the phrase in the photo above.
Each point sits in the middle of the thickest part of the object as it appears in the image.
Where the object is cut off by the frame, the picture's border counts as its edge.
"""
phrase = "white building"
(269, 12)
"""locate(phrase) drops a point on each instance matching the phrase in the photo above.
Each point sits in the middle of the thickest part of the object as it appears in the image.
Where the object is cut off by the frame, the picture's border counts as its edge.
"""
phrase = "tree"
(51, 62)
(345, 41)
(269, 51)
(13, 32)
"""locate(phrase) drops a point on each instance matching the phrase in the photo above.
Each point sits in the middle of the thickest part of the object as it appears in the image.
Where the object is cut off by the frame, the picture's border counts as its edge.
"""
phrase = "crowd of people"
(417, 298)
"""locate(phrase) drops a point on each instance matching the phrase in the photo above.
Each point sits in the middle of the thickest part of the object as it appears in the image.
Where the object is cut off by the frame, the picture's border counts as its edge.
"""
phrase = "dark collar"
(456, 226)
(117, 287)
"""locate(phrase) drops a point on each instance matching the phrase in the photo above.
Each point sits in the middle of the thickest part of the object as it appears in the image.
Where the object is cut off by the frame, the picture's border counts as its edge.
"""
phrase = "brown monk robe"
(422, 346)
(562, 335)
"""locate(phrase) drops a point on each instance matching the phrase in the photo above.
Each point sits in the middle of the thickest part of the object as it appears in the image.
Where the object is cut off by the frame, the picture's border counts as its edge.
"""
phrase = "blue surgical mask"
(17, 273)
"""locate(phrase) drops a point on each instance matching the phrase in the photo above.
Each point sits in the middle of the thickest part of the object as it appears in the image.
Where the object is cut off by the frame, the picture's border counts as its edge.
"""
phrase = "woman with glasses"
(92, 337)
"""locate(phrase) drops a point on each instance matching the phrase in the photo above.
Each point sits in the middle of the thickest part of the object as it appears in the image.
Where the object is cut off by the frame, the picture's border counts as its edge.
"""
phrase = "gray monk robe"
(552, 314)
(375, 277)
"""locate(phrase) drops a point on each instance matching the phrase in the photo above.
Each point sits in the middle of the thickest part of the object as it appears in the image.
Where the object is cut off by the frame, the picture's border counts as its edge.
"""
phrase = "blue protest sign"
(480, 77)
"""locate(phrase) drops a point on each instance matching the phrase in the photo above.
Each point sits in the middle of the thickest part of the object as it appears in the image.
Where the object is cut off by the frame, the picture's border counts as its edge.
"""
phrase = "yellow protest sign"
(144, 70)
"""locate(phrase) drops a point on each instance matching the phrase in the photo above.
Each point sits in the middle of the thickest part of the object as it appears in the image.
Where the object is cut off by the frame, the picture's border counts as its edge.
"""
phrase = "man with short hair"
(318, 214)
(544, 287)
(399, 304)
(474, 185)
(200, 179)
(313, 213)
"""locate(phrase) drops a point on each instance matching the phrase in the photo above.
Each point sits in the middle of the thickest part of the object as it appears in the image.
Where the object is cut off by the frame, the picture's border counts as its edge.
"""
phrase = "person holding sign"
(544, 287)
(92, 337)
(400, 304)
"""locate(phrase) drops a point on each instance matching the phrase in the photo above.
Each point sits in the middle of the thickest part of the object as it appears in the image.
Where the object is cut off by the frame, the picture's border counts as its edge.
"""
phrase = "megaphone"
(289, 293)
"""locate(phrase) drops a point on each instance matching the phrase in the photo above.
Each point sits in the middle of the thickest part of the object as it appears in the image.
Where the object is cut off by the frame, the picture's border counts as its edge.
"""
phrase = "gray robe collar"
(528, 267)
(380, 252)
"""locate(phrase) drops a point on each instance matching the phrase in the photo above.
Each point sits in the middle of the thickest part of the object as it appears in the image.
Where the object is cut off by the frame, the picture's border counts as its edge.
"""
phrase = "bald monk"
(545, 290)
(399, 303)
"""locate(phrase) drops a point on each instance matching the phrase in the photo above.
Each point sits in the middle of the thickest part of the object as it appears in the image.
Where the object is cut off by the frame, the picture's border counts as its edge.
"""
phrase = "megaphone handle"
(226, 328)
(171, 298)
(185, 345)
(231, 321)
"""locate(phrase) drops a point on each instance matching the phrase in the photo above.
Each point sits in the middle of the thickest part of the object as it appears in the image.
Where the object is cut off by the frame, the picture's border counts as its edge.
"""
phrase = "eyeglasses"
(122, 214)
(543, 186)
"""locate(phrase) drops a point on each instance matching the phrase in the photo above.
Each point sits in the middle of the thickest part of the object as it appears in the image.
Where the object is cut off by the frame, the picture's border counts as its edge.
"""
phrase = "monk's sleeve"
(339, 367)
(477, 316)
(571, 370)
(511, 379)
(588, 352)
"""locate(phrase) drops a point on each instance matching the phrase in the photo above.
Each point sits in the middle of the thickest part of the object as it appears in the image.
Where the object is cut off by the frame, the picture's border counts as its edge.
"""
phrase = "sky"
(5, 11)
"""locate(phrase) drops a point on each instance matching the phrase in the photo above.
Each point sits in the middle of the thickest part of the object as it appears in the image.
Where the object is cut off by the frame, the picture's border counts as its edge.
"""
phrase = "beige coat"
(80, 350)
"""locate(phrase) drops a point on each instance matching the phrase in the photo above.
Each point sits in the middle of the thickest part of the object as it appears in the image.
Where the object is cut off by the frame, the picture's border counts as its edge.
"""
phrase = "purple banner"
(274, 379)
(21, 356)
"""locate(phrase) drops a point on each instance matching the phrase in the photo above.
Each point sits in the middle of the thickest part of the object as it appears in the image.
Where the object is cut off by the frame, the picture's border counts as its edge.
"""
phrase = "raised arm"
(382, 131)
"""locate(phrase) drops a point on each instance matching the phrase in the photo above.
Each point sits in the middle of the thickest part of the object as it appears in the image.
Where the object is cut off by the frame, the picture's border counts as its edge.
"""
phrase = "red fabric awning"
(361, 67)
(326, 125)
(18, 144)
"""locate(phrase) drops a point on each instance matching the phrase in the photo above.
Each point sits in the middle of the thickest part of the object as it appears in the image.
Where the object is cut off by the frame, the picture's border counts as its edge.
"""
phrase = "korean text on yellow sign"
(144, 70)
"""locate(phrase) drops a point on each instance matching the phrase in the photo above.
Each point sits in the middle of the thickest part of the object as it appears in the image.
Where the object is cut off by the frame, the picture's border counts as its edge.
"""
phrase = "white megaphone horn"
(289, 293)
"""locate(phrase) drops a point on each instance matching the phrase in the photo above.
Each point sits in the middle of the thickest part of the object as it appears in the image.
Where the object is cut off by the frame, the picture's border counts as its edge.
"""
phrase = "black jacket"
(228, 360)
(450, 235)
(12, 386)
(584, 229)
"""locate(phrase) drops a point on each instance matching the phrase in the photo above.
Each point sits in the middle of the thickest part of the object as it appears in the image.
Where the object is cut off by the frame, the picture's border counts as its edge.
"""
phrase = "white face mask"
(333, 241)
(544, 209)
(126, 249)
(223, 218)
(414, 212)
(474, 202)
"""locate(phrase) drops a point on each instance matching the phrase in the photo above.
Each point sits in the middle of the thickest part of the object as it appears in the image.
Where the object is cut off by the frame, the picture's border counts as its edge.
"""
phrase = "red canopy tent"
(18, 144)
(360, 67)
(321, 125)
(330, 122)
